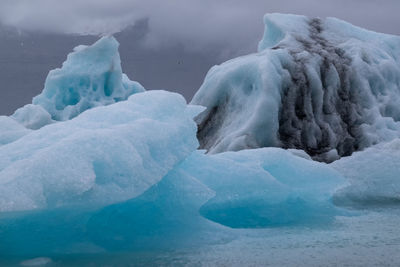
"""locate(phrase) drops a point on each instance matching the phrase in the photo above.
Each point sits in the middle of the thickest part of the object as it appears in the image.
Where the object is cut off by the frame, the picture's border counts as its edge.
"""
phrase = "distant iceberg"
(323, 86)
(90, 77)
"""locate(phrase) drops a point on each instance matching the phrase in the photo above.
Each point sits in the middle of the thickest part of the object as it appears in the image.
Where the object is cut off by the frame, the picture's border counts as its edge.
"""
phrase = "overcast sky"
(165, 44)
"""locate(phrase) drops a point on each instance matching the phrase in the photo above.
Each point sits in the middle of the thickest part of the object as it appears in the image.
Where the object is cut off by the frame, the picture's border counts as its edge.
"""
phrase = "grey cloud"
(233, 25)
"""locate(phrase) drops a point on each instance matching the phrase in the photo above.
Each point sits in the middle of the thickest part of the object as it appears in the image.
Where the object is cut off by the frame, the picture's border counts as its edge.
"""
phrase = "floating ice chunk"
(41, 261)
(196, 203)
(90, 77)
(324, 86)
(165, 215)
(374, 175)
(108, 154)
(265, 187)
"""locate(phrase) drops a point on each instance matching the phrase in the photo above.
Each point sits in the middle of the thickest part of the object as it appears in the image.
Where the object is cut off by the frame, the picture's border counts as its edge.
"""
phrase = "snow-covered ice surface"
(323, 86)
(10, 130)
(99, 172)
(105, 155)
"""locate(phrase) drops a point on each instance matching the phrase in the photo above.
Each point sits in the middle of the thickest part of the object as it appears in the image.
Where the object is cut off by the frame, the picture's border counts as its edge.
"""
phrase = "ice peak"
(90, 77)
(279, 26)
(287, 29)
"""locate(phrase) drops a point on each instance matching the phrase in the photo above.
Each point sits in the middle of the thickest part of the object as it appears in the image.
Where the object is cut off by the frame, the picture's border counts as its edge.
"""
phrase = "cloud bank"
(230, 24)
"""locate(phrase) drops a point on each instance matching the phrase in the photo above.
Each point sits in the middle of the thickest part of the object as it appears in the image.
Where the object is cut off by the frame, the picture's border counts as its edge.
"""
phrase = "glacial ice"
(96, 165)
(107, 154)
(323, 86)
(199, 201)
(90, 77)
(265, 187)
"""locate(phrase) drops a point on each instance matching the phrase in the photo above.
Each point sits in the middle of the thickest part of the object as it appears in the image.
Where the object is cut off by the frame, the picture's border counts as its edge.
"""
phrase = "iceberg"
(90, 77)
(108, 174)
(99, 171)
(201, 201)
(105, 155)
(265, 187)
(320, 85)
(203, 198)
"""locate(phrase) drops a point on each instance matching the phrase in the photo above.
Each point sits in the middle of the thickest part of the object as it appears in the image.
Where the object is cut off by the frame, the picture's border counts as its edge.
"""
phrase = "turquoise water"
(371, 238)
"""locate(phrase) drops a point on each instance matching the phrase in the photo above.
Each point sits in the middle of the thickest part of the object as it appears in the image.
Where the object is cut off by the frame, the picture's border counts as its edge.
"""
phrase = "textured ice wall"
(90, 77)
(107, 154)
(323, 86)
